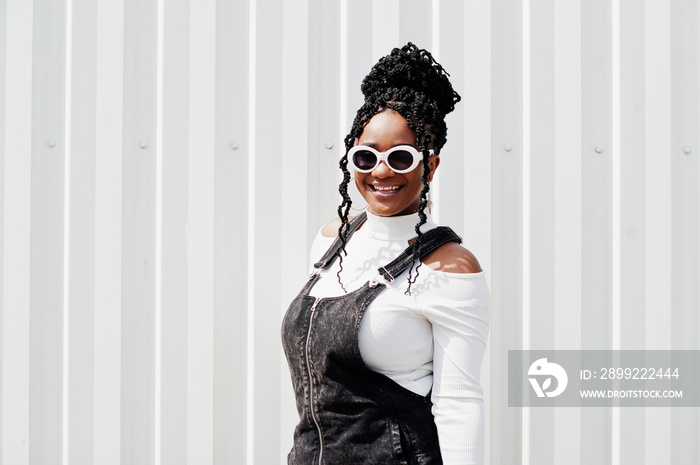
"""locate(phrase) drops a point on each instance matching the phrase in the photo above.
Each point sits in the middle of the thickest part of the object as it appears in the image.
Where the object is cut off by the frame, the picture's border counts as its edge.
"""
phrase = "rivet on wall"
(143, 144)
(51, 143)
(598, 149)
(234, 145)
(329, 144)
(507, 147)
(687, 149)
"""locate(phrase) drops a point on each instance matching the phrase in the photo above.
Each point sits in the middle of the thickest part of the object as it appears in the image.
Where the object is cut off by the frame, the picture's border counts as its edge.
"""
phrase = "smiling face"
(388, 193)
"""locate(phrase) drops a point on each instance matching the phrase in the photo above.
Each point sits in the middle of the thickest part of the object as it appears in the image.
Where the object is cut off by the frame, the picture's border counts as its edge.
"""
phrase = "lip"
(384, 194)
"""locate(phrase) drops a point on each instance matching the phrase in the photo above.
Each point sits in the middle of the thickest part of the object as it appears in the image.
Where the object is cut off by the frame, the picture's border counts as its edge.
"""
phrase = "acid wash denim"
(349, 414)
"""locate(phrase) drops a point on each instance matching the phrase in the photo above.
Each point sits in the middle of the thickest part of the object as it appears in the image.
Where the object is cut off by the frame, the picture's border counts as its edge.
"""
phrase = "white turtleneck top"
(434, 338)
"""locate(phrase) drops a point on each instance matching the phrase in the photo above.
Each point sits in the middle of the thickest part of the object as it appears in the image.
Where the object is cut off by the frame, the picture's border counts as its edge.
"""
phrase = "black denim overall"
(348, 413)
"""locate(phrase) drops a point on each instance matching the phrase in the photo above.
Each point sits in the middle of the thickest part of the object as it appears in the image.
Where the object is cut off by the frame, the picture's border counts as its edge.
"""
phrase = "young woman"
(386, 339)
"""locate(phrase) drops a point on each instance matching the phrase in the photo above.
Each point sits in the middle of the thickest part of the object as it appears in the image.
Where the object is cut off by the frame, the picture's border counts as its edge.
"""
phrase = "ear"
(433, 163)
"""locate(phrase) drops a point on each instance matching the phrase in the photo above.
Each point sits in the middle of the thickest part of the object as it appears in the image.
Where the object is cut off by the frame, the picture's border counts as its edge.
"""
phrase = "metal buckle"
(391, 278)
(316, 272)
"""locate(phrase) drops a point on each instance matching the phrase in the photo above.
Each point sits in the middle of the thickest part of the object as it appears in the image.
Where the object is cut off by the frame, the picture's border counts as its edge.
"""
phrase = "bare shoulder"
(452, 258)
(331, 228)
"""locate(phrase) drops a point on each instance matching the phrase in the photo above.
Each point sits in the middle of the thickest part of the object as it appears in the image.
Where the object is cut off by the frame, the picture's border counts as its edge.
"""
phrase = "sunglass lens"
(400, 160)
(364, 159)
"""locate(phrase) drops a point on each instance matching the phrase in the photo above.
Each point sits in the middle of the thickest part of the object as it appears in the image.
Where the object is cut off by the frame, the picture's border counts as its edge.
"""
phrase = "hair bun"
(410, 74)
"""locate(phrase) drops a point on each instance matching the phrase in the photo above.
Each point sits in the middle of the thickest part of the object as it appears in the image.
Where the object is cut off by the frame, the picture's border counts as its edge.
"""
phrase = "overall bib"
(348, 413)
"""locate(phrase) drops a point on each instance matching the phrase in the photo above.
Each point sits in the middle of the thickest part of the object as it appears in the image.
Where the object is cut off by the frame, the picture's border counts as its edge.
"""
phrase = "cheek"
(416, 178)
(416, 183)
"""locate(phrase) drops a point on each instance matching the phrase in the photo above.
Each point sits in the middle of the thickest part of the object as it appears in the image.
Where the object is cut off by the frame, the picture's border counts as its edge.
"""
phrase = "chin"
(384, 210)
(381, 210)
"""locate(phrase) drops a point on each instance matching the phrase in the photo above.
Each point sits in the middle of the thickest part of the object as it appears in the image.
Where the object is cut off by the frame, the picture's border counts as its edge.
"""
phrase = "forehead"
(387, 129)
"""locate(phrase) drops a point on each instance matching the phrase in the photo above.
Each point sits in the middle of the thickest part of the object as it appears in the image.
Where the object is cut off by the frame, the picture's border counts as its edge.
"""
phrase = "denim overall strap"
(332, 252)
(432, 240)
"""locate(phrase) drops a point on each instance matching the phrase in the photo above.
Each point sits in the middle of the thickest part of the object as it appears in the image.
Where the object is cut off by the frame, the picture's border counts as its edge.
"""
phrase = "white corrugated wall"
(165, 165)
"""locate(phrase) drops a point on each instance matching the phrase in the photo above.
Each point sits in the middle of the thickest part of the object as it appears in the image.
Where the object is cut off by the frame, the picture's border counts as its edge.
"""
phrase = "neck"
(395, 228)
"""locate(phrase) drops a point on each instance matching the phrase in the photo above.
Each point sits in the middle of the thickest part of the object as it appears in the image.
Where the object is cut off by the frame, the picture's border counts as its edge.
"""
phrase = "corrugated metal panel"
(172, 232)
(231, 183)
(597, 202)
(81, 217)
(567, 210)
(265, 228)
(139, 214)
(200, 234)
(109, 111)
(658, 285)
(506, 221)
(631, 206)
(539, 221)
(191, 156)
(685, 207)
(50, 145)
(17, 207)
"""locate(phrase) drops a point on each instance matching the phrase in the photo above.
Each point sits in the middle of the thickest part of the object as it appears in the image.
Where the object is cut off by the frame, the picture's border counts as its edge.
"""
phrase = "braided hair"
(410, 82)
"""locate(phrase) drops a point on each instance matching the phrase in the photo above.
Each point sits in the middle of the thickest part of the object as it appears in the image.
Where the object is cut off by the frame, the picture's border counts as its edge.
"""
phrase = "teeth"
(385, 189)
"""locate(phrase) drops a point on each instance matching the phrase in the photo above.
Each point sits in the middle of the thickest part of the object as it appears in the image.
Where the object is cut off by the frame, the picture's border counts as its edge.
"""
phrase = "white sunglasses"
(400, 159)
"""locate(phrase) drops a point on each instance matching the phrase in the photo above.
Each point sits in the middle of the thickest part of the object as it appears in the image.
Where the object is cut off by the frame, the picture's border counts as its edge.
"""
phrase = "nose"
(382, 171)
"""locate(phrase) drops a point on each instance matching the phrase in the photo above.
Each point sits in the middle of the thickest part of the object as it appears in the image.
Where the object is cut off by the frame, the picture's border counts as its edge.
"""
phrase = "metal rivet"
(598, 149)
(234, 146)
(687, 149)
(507, 147)
(143, 144)
(51, 143)
(329, 144)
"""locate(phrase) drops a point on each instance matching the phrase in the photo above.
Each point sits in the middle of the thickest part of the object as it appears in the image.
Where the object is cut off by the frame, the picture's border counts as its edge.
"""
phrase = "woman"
(385, 340)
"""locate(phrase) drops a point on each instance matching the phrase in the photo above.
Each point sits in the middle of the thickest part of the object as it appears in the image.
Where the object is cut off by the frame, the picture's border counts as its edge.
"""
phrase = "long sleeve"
(459, 315)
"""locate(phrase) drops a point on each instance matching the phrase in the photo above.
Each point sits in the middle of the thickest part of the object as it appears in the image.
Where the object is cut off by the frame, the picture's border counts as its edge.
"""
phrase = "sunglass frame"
(384, 157)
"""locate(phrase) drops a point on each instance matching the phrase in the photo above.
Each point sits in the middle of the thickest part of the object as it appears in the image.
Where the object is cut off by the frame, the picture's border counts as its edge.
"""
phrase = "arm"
(460, 320)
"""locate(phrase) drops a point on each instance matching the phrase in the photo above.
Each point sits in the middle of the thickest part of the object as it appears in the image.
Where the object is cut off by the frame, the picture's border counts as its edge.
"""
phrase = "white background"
(165, 165)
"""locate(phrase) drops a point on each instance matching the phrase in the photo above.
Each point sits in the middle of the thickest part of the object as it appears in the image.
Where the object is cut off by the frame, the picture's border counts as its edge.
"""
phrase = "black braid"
(344, 208)
(410, 82)
(422, 220)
